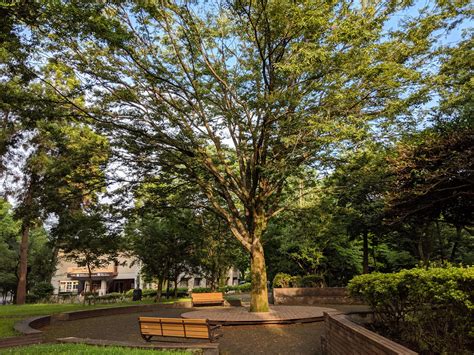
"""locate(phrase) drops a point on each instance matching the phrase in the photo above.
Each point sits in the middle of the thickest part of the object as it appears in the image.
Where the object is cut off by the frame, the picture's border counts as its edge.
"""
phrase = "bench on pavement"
(177, 327)
(207, 298)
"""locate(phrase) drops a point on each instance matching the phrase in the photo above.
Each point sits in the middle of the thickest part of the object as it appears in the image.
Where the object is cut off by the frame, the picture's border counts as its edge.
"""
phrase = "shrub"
(312, 281)
(111, 297)
(42, 290)
(431, 309)
(32, 298)
(149, 292)
(201, 290)
(296, 281)
(281, 280)
(246, 287)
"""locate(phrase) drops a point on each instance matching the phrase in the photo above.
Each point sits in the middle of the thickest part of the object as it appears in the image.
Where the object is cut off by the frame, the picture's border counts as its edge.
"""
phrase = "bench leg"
(147, 337)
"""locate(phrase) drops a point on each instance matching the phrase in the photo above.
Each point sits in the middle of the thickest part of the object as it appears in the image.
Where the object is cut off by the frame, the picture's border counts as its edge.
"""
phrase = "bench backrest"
(214, 296)
(175, 327)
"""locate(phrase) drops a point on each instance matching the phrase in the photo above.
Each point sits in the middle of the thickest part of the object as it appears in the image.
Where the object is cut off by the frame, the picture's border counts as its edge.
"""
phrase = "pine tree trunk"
(21, 287)
(259, 293)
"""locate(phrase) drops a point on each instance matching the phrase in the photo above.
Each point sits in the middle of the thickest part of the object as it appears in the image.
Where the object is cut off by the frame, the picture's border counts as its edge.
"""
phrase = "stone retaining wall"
(311, 296)
(343, 337)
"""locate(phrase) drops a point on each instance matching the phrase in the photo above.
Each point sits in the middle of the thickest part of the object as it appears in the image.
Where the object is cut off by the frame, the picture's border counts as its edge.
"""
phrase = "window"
(68, 286)
(197, 281)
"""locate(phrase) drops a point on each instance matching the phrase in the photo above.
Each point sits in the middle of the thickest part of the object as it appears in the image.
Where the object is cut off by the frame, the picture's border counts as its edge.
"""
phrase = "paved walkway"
(276, 315)
(262, 339)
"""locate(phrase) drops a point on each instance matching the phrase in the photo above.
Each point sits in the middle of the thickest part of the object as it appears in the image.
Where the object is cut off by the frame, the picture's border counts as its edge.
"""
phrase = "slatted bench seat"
(207, 298)
(177, 327)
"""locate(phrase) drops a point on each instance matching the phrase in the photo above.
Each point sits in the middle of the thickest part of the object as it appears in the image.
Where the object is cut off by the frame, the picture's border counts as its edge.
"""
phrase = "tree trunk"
(441, 242)
(21, 287)
(90, 285)
(159, 290)
(456, 242)
(259, 293)
(168, 287)
(365, 257)
(176, 286)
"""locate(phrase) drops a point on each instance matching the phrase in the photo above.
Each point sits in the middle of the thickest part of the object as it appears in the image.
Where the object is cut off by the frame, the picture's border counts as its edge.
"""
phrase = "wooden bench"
(177, 327)
(207, 298)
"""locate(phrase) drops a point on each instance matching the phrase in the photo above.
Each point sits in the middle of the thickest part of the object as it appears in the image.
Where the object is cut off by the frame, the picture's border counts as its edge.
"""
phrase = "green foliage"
(281, 280)
(43, 289)
(311, 238)
(66, 349)
(32, 298)
(149, 292)
(432, 309)
(9, 230)
(85, 239)
(201, 290)
(290, 84)
(312, 281)
(246, 287)
(165, 244)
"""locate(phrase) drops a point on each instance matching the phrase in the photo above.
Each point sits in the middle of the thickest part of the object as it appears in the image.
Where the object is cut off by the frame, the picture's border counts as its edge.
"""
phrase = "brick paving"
(276, 315)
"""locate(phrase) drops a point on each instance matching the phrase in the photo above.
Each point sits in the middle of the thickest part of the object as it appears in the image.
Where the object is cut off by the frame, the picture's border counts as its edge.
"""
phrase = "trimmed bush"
(42, 289)
(201, 290)
(312, 281)
(149, 292)
(32, 298)
(430, 309)
(246, 287)
(296, 281)
(281, 280)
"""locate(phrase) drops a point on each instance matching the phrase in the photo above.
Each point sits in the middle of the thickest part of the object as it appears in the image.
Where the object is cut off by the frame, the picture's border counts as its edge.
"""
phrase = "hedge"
(433, 309)
(282, 280)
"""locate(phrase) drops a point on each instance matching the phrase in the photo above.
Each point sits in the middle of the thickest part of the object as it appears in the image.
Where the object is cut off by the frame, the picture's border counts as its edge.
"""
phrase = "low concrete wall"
(344, 337)
(21, 340)
(30, 326)
(312, 295)
(101, 312)
(30, 335)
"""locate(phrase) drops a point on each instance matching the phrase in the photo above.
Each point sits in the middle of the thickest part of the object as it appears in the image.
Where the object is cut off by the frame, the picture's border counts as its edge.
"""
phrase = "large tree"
(52, 163)
(238, 95)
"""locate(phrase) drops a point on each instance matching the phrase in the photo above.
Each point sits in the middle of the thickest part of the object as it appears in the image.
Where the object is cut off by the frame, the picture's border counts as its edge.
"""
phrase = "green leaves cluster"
(431, 309)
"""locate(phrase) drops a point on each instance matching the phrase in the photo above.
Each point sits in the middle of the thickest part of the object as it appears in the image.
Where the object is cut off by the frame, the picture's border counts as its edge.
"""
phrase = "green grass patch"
(40, 309)
(6, 327)
(85, 349)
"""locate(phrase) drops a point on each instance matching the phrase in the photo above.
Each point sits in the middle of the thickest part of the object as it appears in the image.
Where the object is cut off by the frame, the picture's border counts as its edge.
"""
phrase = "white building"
(117, 277)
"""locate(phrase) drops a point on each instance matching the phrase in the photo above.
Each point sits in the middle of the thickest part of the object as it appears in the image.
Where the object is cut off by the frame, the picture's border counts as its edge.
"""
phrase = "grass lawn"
(12, 313)
(84, 349)
(6, 327)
